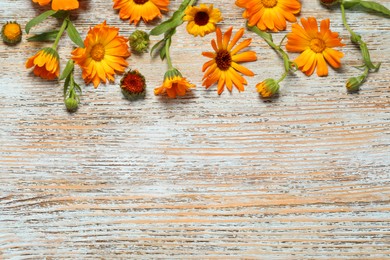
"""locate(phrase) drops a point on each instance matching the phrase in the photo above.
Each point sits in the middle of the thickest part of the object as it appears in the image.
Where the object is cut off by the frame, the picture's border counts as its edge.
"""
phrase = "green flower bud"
(71, 104)
(353, 84)
(139, 41)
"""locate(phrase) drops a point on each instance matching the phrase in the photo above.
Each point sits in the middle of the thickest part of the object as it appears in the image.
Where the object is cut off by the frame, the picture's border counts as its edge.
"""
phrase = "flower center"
(201, 18)
(223, 60)
(140, 2)
(317, 45)
(269, 3)
(97, 52)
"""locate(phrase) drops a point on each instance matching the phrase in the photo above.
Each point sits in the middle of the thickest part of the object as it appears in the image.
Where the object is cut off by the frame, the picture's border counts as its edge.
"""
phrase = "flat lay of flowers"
(101, 56)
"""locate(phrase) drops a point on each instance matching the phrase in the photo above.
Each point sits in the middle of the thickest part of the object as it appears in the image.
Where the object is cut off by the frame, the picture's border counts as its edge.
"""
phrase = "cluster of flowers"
(103, 52)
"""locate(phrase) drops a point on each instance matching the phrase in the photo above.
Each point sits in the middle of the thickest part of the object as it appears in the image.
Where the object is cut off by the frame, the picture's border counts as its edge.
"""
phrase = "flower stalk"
(289, 66)
(353, 84)
(60, 33)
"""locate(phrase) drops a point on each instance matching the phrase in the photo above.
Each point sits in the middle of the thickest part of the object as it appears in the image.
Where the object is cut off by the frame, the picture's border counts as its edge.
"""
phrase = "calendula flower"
(104, 54)
(134, 10)
(174, 84)
(133, 85)
(267, 88)
(46, 64)
(270, 14)
(59, 4)
(202, 19)
(223, 66)
(11, 33)
(316, 47)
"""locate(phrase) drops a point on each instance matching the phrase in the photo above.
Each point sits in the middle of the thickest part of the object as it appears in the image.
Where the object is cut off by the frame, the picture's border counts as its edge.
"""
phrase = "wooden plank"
(205, 176)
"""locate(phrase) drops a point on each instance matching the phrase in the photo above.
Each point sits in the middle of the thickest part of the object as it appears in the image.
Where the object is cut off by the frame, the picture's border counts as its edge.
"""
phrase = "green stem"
(62, 29)
(355, 38)
(353, 34)
(167, 54)
(268, 38)
(284, 75)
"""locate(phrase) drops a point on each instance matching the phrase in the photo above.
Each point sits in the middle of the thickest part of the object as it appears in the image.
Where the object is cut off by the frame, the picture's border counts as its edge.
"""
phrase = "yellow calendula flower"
(202, 19)
(224, 66)
(11, 33)
(46, 64)
(135, 10)
(269, 14)
(59, 4)
(104, 54)
(174, 84)
(316, 46)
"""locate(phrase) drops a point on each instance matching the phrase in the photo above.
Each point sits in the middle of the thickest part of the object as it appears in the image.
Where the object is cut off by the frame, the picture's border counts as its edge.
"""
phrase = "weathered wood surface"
(204, 176)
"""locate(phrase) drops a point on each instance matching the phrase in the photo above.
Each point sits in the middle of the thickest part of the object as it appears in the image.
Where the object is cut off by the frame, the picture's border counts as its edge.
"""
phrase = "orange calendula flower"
(134, 10)
(316, 47)
(174, 84)
(202, 19)
(223, 66)
(270, 14)
(104, 54)
(46, 62)
(59, 4)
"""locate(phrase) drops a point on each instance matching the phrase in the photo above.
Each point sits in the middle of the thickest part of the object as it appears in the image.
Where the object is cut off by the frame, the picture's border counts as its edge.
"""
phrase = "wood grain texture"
(205, 176)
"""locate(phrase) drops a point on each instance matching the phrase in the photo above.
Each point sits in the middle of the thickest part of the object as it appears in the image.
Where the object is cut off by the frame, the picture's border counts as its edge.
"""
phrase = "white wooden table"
(205, 176)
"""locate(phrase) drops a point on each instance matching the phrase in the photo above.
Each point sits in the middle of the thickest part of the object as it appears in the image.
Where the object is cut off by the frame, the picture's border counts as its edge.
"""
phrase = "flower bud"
(71, 104)
(353, 84)
(139, 41)
(133, 85)
(11, 33)
(329, 2)
(267, 88)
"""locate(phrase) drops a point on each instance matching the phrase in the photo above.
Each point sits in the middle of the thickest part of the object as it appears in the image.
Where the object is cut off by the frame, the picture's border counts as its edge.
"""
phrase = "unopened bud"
(139, 41)
(71, 104)
(268, 88)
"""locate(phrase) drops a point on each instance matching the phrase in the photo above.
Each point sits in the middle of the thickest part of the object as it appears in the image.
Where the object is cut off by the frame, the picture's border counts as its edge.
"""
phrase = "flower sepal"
(171, 73)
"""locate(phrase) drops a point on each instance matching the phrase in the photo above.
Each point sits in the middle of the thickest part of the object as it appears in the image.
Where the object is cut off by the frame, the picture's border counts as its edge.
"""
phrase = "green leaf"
(66, 85)
(74, 34)
(375, 7)
(44, 37)
(174, 21)
(158, 45)
(68, 69)
(350, 3)
(40, 18)
(77, 87)
(167, 25)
